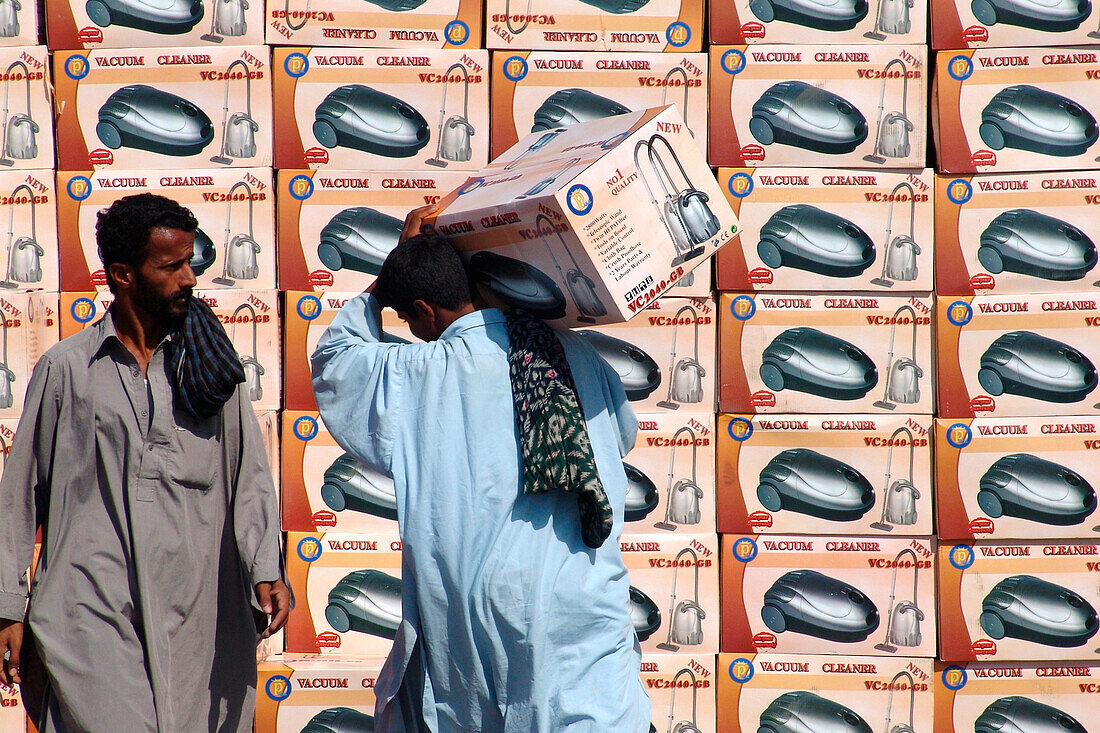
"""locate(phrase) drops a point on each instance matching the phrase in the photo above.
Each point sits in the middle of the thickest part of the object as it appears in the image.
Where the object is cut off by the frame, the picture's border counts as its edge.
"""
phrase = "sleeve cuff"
(13, 606)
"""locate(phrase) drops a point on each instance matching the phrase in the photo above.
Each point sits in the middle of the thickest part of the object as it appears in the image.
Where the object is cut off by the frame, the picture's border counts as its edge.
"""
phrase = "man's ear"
(423, 309)
(122, 274)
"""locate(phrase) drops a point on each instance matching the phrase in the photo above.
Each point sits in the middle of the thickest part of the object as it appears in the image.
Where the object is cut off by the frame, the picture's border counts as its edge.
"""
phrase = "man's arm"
(27, 467)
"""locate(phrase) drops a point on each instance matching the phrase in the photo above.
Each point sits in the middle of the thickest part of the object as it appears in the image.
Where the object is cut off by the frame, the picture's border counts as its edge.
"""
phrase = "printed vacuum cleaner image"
(516, 284)
(638, 371)
(899, 501)
(837, 15)
(582, 288)
(367, 601)
(686, 381)
(205, 253)
(359, 117)
(804, 481)
(24, 255)
(807, 360)
(682, 499)
(453, 137)
(18, 129)
(811, 603)
(1037, 120)
(145, 118)
(804, 116)
(348, 484)
(571, 106)
(165, 17)
(359, 239)
(892, 129)
(1053, 16)
(1027, 487)
(340, 720)
(644, 614)
(1028, 608)
(685, 627)
(900, 262)
(1029, 243)
(1029, 365)
(642, 495)
(805, 712)
(1016, 713)
(807, 238)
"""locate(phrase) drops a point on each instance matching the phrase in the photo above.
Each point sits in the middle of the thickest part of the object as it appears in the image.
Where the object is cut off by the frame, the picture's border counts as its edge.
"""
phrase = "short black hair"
(122, 230)
(425, 267)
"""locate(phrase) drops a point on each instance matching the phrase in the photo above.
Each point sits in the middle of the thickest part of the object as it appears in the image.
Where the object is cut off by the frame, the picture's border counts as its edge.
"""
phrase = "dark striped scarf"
(204, 362)
(557, 453)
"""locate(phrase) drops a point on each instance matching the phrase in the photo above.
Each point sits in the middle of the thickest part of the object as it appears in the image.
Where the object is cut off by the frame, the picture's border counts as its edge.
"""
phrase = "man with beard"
(139, 457)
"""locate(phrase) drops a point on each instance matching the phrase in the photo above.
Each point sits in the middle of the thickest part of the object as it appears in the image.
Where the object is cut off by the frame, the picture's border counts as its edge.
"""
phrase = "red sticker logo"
(752, 29)
(328, 640)
(983, 647)
(315, 155)
(976, 34)
(90, 34)
(982, 281)
(752, 152)
(760, 519)
(763, 398)
(983, 157)
(764, 640)
(322, 278)
(981, 525)
(101, 156)
(761, 276)
(324, 518)
(99, 277)
(982, 403)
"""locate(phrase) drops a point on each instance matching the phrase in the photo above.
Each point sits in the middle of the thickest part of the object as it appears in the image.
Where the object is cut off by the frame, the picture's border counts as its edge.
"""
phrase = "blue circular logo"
(959, 191)
(300, 187)
(77, 66)
(743, 307)
(741, 670)
(739, 429)
(83, 310)
(959, 435)
(309, 307)
(305, 428)
(471, 185)
(960, 67)
(733, 61)
(456, 32)
(515, 68)
(678, 34)
(744, 549)
(79, 188)
(959, 313)
(962, 556)
(309, 549)
(953, 677)
(296, 65)
(740, 185)
(579, 199)
(278, 688)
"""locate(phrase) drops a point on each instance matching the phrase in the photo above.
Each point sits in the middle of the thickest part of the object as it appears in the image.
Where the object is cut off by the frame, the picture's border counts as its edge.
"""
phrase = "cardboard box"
(955, 24)
(215, 104)
(596, 25)
(74, 24)
(1016, 478)
(825, 474)
(294, 688)
(994, 236)
(30, 251)
(235, 207)
(988, 346)
(755, 689)
(558, 217)
(665, 357)
(434, 24)
(674, 592)
(672, 487)
(824, 353)
(366, 566)
(30, 329)
(1022, 601)
(828, 595)
(336, 227)
(28, 139)
(13, 716)
(967, 693)
(828, 229)
(765, 103)
(536, 91)
(250, 317)
(308, 316)
(1016, 109)
(407, 110)
(681, 690)
(324, 488)
(888, 22)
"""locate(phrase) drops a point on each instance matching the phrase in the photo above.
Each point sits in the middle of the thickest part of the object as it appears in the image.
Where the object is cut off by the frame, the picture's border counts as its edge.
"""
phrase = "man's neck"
(138, 331)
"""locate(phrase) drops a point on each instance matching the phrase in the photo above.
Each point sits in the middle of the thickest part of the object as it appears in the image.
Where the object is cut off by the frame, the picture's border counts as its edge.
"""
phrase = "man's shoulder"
(73, 348)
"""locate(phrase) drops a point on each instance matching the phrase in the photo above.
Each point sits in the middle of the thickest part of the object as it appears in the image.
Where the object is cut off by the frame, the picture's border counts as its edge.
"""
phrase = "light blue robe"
(510, 622)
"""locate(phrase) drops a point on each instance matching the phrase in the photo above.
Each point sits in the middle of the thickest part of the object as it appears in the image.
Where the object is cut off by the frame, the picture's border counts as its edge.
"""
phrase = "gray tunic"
(156, 527)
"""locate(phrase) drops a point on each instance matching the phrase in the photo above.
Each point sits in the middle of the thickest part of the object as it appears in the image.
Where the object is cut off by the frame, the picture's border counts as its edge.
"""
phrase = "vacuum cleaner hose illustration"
(892, 131)
(581, 288)
(362, 118)
(170, 17)
(453, 140)
(808, 238)
(253, 370)
(1029, 365)
(903, 621)
(900, 727)
(684, 211)
(806, 360)
(1033, 244)
(801, 712)
(685, 384)
(24, 255)
(904, 375)
(241, 250)
(350, 485)
(664, 93)
(685, 626)
(1028, 608)
(366, 601)
(239, 130)
(1028, 118)
(684, 726)
(811, 603)
(516, 284)
(795, 113)
(900, 262)
(899, 499)
(1028, 487)
(340, 720)
(682, 499)
(358, 239)
(145, 118)
(19, 130)
(805, 481)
